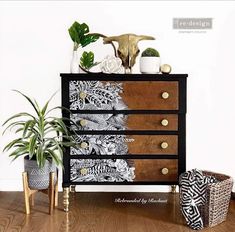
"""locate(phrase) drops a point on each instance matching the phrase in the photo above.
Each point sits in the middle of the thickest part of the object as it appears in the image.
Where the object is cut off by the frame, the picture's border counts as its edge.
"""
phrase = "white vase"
(74, 65)
(150, 64)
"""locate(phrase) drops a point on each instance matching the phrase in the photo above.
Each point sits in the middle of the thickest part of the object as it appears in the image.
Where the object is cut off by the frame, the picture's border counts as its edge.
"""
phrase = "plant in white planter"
(41, 142)
(150, 61)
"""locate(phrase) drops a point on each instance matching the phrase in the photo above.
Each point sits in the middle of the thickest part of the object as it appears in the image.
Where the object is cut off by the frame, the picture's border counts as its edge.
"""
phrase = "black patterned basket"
(217, 199)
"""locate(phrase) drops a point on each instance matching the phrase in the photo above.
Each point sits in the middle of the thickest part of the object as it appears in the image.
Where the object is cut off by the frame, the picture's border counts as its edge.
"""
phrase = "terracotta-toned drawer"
(126, 95)
(153, 144)
(126, 122)
(151, 95)
(155, 170)
(122, 170)
(125, 144)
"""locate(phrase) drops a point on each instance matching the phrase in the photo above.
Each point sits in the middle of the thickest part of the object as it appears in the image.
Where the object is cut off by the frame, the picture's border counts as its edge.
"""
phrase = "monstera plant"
(87, 60)
(42, 138)
(79, 34)
(81, 37)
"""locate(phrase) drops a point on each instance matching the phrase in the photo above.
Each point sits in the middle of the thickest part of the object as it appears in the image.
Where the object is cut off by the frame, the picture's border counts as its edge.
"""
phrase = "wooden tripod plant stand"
(52, 193)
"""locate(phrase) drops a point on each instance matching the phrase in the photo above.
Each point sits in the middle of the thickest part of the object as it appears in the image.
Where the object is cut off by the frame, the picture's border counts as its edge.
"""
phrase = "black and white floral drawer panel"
(95, 95)
(101, 170)
(125, 122)
(125, 145)
(131, 95)
(123, 170)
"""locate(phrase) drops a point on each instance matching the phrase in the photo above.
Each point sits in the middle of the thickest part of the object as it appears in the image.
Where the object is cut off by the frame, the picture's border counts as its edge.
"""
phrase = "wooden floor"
(98, 212)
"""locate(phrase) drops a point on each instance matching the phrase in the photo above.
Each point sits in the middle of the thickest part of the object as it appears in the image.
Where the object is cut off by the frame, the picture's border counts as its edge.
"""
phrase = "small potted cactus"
(150, 61)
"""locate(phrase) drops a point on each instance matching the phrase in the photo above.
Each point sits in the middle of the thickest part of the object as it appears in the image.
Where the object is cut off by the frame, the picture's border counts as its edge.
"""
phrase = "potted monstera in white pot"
(41, 142)
(150, 61)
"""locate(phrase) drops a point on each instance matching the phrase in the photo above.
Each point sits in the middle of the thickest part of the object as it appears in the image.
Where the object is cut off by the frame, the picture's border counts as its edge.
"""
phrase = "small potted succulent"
(41, 142)
(150, 61)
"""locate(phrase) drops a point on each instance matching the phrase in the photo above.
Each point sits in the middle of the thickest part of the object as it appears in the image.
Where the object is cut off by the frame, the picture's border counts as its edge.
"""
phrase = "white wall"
(35, 48)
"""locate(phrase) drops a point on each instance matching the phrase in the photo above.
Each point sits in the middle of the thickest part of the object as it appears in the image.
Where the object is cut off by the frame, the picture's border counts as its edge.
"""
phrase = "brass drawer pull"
(84, 145)
(165, 95)
(83, 122)
(164, 122)
(164, 145)
(82, 95)
(165, 171)
(83, 171)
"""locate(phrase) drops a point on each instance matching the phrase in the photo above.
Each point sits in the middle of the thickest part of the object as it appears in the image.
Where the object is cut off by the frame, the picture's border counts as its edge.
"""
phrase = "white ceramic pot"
(150, 64)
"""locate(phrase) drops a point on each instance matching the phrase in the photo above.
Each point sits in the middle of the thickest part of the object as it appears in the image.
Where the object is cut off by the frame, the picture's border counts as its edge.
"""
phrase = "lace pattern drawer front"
(125, 145)
(140, 95)
(123, 170)
(151, 122)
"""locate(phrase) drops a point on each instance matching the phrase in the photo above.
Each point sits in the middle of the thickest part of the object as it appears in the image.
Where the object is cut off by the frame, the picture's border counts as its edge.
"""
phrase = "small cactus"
(150, 52)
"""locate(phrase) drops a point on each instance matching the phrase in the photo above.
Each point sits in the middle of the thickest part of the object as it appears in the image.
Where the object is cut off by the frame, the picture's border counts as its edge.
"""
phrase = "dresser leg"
(73, 188)
(66, 198)
(173, 188)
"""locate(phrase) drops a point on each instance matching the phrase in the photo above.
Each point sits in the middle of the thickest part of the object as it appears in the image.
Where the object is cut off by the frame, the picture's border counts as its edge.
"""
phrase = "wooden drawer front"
(155, 170)
(125, 144)
(121, 170)
(153, 144)
(126, 122)
(126, 95)
(147, 95)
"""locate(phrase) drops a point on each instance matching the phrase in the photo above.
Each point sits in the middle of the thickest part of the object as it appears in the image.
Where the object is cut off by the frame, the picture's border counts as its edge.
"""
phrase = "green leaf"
(12, 143)
(30, 101)
(87, 60)
(17, 116)
(79, 35)
(47, 103)
(87, 39)
(26, 127)
(19, 152)
(32, 146)
(12, 125)
(73, 32)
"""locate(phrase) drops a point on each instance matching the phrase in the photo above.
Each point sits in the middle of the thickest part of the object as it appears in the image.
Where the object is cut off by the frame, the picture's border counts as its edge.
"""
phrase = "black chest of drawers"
(130, 129)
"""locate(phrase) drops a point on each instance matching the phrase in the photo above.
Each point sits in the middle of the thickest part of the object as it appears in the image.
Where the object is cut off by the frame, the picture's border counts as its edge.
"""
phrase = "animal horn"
(110, 39)
(144, 37)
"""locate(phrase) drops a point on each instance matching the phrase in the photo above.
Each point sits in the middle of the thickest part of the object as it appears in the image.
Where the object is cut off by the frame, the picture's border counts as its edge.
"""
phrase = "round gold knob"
(164, 145)
(165, 171)
(165, 68)
(82, 95)
(165, 95)
(164, 122)
(83, 122)
(84, 145)
(83, 171)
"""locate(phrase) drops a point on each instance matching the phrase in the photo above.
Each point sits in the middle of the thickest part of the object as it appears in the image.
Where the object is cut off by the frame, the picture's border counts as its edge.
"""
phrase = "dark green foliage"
(87, 60)
(79, 33)
(150, 52)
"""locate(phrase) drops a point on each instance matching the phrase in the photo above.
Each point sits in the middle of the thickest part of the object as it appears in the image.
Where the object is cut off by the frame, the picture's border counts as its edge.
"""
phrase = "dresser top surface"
(124, 77)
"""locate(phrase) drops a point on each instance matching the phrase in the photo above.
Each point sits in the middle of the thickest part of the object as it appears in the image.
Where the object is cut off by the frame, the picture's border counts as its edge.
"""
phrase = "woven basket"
(218, 196)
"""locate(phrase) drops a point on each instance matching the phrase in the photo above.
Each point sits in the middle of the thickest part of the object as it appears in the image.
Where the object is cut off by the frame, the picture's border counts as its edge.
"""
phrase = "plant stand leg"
(32, 200)
(26, 192)
(51, 192)
(66, 198)
(56, 190)
(173, 188)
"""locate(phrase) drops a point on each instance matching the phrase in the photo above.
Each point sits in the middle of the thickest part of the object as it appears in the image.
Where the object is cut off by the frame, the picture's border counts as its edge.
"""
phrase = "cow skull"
(128, 47)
